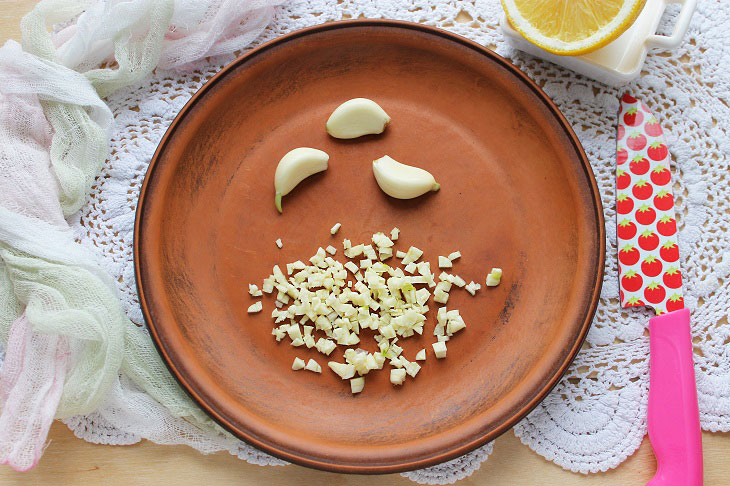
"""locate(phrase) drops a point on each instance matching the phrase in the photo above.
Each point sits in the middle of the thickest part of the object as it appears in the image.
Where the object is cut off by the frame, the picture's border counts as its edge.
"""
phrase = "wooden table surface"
(69, 460)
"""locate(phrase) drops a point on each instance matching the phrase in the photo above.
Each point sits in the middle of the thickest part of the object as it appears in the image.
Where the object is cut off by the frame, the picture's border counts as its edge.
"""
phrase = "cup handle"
(680, 28)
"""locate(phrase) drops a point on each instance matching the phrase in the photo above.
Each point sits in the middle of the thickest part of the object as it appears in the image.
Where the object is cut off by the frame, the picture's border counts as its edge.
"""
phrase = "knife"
(650, 275)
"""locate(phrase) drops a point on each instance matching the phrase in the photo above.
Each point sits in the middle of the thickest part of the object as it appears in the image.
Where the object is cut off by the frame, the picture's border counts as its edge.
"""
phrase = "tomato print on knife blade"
(646, 227)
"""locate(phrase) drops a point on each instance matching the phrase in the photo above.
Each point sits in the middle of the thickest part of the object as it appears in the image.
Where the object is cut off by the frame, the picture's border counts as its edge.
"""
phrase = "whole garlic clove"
(402, 181)
(296, 166)
(357, 117)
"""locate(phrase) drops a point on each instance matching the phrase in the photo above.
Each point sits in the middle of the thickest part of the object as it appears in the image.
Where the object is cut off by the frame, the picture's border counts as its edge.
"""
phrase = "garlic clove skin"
(357, 117)
(402, 181)
(294, 167)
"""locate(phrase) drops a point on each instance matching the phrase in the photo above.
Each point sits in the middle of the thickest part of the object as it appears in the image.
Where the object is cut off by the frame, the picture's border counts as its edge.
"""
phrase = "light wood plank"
(69, 460)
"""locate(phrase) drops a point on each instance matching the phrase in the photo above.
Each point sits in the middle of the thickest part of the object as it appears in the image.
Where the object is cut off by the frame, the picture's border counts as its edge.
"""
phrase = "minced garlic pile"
(364, 293)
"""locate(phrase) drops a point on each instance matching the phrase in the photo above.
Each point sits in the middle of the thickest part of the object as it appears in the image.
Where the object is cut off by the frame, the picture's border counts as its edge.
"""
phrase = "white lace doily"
(595, 417)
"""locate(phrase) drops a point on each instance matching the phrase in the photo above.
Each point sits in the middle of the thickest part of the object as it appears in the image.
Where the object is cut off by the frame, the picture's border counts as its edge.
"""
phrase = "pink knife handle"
(674, 422)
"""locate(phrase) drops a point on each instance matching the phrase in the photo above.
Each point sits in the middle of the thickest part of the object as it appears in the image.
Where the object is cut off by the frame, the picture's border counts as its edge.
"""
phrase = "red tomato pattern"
(636, 141)
(672, 278)
(623, 179)
(675, 302)
(648, 254)
(657, 151)
(667, 226)
(664, 200)
(629, 255)
(632, 281)
(624, 204)
(626, 229)
(642, 190)
(648, 240)
(633, 117)
(639, 165)
(651, 266)
(655, 293)
(669, 252)
(660, 176)
(645, 215)
(634, 302)
(652, 127)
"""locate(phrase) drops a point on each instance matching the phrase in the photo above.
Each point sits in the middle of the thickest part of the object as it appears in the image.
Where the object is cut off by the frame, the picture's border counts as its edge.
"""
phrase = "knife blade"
(648, 257)
(650, 275)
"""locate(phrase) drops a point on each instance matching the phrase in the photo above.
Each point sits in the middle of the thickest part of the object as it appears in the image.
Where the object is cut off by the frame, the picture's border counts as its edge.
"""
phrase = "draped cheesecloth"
(71, 350)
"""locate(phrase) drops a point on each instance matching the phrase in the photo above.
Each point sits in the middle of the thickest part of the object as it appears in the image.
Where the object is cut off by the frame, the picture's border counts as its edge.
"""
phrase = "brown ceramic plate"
(517, 192)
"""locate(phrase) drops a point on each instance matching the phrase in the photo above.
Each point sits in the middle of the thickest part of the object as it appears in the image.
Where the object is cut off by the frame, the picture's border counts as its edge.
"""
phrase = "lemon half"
(572, 27)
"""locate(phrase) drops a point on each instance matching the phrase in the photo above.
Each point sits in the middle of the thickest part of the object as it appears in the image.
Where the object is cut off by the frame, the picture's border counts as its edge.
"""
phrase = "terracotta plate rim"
(468, 445)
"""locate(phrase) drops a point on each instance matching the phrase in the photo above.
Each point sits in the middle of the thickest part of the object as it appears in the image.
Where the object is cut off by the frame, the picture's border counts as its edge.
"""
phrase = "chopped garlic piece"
(443, 285)
(256, 307)
(339, 299)
(382, 241)
(279, 243)
(440, 296)
(369, 252)
(394, 233)
(397, 376)
(441, 293)
(343, 370)
(412, 368)
(444, 262)
(354, 251)
(472, 287)
(357, 384)
(439, 349)
(254, 290)
(455, 325)
(313, 366)
(325, 346)
(294, 332)
(335, 228)
(298, 364)
(387, 331)
(412, 255)
(494, 277)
